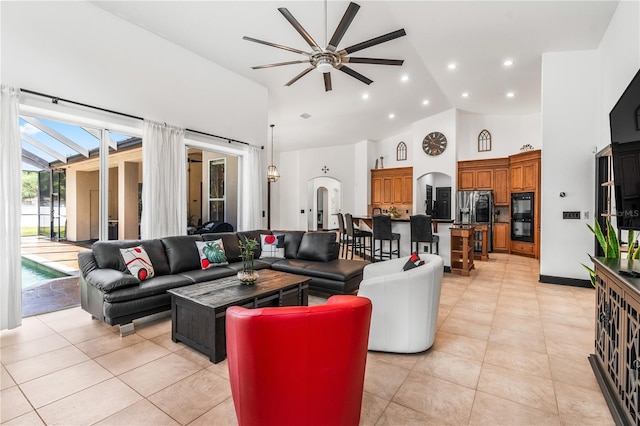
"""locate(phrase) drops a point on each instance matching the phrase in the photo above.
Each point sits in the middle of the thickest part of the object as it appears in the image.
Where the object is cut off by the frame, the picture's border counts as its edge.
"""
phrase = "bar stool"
(356, 238)
(342, 237)
(422, 232)
(375, 211)
(382, 232)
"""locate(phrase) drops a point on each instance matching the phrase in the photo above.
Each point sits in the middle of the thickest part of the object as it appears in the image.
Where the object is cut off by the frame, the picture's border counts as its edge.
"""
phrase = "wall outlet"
(571, 215)
(301, 211)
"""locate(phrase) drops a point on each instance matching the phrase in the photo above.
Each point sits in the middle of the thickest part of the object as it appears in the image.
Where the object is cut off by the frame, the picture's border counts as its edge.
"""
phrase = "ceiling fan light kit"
(327, 59)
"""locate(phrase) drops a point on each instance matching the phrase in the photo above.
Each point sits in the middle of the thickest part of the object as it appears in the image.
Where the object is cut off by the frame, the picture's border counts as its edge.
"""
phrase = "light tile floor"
(508, 350)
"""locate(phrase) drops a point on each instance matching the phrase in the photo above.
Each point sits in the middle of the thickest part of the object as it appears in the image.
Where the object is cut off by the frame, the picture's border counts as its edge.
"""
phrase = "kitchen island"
(402, 226)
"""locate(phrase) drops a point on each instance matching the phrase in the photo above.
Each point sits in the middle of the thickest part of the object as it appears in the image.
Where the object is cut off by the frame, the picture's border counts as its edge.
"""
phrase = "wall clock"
(434, 143)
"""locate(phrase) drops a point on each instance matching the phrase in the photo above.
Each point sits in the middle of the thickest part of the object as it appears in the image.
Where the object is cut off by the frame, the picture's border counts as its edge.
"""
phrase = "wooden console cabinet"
(616, 361)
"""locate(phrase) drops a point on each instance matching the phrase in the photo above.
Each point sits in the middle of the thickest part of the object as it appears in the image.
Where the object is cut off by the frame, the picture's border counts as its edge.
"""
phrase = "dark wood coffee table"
(198, 310)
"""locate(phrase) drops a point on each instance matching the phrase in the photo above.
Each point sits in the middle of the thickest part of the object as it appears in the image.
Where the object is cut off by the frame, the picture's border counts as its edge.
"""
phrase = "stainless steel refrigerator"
(476, 207)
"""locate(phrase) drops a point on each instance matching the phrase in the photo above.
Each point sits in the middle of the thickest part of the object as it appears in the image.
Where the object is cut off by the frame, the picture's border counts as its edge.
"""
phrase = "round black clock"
(434, 143)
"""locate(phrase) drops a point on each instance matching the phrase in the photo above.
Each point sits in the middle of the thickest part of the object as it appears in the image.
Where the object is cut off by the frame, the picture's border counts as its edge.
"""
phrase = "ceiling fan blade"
(375, 61)
(342, 27)
(290, 49)
(307, 37)
(355, 74)
(374, 41)
(279, 64)
(297, 77)
(327, 81)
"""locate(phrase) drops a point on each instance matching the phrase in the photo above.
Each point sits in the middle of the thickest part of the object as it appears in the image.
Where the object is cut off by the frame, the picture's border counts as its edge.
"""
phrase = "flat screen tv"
(626, 178)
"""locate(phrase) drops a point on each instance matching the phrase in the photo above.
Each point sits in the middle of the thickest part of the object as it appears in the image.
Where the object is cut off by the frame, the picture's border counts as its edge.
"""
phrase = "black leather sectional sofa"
(111, 294)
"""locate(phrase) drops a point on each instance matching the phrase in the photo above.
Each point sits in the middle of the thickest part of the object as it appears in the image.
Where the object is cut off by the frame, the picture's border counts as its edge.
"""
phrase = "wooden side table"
(462, 239)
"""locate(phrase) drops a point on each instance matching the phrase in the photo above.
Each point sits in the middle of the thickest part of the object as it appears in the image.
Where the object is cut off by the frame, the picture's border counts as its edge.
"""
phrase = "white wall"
(508, 134)
(570, 98)
(77, 51)
(296, 169)
(446, 163)
(579, 89)
(620, 60)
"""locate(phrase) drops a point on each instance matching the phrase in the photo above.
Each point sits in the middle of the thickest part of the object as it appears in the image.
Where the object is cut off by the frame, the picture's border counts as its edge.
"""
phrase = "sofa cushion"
(318, 246)
(201, 275)
(107, 254)
(150, 287)
(108, 280)
(339, 269)
(291, 242)
(182, 252)
(230, 242)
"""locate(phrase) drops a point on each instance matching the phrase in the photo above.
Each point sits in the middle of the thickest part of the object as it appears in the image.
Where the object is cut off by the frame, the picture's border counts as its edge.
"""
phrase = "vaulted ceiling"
(476, 36)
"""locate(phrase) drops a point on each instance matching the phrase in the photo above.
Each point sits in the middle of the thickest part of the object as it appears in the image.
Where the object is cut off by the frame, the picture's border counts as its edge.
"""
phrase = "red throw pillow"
(413, 262)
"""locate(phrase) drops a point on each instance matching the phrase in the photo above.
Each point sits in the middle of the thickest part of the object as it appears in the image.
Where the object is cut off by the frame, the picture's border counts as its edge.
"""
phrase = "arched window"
(401, 151)
(484, 141)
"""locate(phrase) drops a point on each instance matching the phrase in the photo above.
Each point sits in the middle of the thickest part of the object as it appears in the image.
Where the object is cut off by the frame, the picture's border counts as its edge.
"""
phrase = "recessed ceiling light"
(507, 63)
(305, 115)
(465, 95)
(392, 115)
(510, 94)
(405, 78)
(452, 66)
(425, 102)
(365, 96)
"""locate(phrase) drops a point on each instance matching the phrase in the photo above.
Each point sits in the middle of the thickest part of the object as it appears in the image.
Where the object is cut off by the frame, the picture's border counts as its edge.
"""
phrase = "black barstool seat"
(422, 232)
(382, 232)
(356, 238)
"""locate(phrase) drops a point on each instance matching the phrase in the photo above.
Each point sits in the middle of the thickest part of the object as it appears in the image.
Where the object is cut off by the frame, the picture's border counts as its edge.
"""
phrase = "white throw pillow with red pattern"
(138, 263)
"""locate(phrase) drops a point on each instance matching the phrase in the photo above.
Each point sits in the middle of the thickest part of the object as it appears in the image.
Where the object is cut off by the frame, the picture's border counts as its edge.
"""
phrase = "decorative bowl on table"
(248, 278)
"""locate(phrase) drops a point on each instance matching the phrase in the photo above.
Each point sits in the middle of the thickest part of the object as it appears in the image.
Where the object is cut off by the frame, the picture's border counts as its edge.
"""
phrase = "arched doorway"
(433, 195)
(324, 200)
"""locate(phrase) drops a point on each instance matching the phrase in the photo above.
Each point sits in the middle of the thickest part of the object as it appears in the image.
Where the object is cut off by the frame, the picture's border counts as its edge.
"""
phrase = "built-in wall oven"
(522, 220)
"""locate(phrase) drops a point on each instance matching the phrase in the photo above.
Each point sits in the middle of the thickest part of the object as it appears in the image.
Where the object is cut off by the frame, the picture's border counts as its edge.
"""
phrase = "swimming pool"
(33, 273)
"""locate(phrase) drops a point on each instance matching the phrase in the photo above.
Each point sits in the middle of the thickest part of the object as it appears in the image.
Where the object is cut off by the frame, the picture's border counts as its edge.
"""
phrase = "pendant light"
(272, 171)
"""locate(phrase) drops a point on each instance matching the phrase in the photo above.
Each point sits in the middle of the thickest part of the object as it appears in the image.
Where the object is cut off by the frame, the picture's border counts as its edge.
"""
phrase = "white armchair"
(405, 303)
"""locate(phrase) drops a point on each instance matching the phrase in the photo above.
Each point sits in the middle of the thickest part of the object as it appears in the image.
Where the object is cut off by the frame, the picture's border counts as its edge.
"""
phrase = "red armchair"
(301, 365)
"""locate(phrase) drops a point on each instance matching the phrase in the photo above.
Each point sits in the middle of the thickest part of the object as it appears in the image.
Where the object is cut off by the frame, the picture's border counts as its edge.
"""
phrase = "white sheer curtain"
(164, 182)
(10, 199)
(252, 177)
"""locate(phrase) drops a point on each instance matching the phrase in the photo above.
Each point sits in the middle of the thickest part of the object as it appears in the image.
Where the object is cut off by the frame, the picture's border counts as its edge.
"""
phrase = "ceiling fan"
(324, 60)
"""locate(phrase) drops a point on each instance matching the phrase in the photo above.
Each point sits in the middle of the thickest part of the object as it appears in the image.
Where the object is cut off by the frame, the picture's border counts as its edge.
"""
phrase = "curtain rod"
(55, 100)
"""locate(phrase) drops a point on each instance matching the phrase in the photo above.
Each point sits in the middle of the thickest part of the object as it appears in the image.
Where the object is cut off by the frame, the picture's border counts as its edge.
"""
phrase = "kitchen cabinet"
(392, 186)
(501, 187)
(524, 172)
(407, 190)
(524, 176)
(466, 180)
(376, 190)
(480, 174)
(484, 179)
(501, 237)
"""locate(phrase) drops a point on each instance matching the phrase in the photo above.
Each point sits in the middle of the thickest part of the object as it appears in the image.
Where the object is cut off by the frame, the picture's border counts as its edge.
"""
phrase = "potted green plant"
(247, 249)
(611, 246)
(393, 211)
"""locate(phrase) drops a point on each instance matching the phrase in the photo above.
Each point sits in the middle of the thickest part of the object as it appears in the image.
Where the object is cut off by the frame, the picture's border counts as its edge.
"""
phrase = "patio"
(55, 294)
